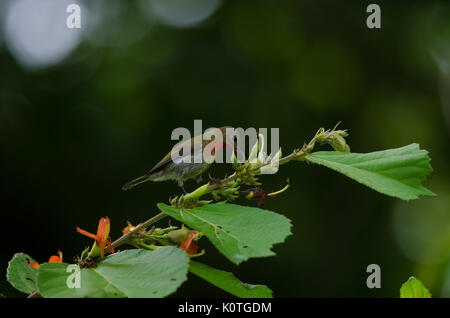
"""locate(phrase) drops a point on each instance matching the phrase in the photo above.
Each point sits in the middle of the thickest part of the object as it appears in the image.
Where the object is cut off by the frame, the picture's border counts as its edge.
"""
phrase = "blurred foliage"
(73, 131)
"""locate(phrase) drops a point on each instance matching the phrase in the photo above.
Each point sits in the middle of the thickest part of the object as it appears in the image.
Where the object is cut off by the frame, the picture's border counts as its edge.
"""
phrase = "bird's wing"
(178, 149)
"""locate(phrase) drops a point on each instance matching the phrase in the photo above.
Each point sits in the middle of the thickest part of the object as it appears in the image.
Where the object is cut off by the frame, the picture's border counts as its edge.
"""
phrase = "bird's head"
(219, 138)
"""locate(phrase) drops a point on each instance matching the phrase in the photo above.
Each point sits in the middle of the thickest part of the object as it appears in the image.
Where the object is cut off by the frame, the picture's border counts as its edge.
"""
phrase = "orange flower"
(56, 259)
(102, 236)
(34, 265)
(128, 228)
(53, 259)
(189, 245)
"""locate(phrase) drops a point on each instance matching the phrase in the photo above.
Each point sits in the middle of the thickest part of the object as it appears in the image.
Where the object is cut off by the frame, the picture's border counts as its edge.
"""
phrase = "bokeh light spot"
(36, 32)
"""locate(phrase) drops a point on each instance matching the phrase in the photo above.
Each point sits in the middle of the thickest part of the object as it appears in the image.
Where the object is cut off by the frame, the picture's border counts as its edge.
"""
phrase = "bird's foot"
(181, 185)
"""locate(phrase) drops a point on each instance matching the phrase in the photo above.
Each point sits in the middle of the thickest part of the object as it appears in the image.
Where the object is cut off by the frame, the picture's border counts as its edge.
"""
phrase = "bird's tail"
(135, 182)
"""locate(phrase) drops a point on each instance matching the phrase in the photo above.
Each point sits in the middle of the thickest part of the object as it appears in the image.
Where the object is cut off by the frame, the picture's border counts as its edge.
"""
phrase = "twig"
(34, 294)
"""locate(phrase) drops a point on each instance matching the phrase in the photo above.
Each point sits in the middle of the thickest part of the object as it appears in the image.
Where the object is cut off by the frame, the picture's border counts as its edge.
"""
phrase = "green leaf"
(131, 273)
(22, 276)
(395, 172)
(238, 232)
(414, 288)
(228, 282)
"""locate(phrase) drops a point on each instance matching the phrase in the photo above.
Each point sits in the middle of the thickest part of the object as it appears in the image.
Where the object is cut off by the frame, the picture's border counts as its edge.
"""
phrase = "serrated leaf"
(131, 273)
(395, 172)
(228, 282)
(414, 288)
(238, 232)
(20, 275)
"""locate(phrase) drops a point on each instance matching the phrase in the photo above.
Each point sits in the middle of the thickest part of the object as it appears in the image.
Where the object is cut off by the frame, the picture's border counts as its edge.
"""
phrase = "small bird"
(181, 171)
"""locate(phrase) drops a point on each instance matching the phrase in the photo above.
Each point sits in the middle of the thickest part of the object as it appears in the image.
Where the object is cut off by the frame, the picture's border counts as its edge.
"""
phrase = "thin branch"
(34, 294)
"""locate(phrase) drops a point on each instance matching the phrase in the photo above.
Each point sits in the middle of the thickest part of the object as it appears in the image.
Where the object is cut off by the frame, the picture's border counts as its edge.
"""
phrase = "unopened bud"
(197, 193)
(175, 236)
(234, 160)
(339, 144)
(254, 153)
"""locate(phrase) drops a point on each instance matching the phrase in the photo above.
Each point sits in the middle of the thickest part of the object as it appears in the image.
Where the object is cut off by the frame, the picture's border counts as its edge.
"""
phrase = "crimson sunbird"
(179, 170)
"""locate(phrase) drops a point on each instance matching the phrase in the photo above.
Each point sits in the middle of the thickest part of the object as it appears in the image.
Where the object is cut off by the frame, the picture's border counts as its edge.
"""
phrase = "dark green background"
(72, 133)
